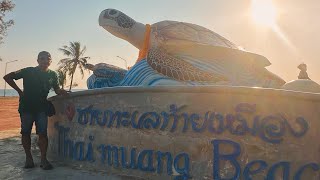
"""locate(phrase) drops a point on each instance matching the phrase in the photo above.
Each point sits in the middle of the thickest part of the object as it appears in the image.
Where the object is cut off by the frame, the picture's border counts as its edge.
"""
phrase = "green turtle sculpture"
(104, 75)
(187, 54)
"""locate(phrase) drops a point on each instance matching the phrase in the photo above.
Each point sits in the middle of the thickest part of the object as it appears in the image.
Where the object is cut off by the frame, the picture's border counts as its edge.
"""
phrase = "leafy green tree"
(74, 60)
(5, 6)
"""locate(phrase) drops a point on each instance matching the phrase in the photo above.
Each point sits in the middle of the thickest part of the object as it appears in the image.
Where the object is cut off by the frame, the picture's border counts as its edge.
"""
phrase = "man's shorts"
(40, 119)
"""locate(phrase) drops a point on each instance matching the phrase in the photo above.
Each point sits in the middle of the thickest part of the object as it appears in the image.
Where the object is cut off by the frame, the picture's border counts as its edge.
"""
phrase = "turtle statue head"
(89, 66)
(122, 26)
(104, 75)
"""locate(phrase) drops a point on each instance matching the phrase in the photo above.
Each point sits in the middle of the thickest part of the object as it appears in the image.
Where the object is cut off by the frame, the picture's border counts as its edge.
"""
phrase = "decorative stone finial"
(303, 72)
(303, 83)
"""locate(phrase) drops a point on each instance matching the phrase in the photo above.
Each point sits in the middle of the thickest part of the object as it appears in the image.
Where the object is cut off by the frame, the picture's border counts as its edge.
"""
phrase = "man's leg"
(26, 143)
(26, 127)
(41, 128)
(43, 145)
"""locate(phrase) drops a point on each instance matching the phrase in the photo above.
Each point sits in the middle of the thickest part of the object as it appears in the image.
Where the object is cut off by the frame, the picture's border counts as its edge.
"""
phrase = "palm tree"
(74, 59)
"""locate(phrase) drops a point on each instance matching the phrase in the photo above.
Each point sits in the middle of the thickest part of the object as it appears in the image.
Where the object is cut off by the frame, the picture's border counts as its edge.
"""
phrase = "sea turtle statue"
(104, 75)
(179, 53)
(303, 83)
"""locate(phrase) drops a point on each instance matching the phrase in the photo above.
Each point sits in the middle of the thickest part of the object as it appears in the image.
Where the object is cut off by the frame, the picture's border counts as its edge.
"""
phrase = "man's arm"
(9, 78)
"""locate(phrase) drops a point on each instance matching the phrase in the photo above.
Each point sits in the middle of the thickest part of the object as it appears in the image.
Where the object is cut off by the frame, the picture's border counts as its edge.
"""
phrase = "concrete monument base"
(205, 132)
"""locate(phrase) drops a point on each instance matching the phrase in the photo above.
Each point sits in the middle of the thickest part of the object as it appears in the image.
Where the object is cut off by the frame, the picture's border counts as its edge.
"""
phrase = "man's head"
(44, 60)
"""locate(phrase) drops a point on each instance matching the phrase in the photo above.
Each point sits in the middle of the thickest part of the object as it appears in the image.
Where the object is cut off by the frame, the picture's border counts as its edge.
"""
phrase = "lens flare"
(263, 12)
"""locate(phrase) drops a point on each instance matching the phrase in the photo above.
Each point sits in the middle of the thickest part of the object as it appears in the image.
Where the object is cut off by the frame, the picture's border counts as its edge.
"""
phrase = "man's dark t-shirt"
(36, 86)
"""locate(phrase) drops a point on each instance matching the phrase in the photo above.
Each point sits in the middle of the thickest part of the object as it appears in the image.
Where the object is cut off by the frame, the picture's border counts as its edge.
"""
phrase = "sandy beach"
(12, 154)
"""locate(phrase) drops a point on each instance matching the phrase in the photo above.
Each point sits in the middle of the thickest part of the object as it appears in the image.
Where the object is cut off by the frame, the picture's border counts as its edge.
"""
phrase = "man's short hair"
(44, 54)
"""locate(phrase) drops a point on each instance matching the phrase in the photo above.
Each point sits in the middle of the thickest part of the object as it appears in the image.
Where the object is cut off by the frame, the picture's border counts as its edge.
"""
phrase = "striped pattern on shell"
(108, 71)
(178, 69)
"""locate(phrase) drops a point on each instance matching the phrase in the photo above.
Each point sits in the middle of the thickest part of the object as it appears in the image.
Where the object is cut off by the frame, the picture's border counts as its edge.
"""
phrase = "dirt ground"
(9, 117)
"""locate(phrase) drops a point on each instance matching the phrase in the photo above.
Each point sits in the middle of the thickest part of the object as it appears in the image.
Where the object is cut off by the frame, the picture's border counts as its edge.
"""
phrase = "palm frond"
(81, 70)
(63, 61)
(62, 78)
(65, 51)
(83, 60)
(73, 52)
(83, 50)
(76, 47)
(66, 64)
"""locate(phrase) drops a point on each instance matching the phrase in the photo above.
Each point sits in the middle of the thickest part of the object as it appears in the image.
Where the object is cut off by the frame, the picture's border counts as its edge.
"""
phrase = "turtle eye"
(112, 12)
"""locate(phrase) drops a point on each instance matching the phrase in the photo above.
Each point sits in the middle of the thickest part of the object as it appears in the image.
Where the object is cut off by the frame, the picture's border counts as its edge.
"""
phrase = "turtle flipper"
(179, 69)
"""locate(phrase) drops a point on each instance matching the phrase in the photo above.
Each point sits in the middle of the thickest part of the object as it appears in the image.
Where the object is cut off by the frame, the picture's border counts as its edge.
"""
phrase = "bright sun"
(263, 12)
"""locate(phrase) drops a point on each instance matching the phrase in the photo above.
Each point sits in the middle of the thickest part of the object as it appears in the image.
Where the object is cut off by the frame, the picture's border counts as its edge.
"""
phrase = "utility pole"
(5, 73)
(124, 61)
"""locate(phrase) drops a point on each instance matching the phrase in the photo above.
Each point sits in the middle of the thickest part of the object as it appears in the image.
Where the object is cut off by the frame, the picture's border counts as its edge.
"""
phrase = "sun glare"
(263, 12)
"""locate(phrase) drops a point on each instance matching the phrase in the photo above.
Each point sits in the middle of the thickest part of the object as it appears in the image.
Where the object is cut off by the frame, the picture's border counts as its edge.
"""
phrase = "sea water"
(12, 92)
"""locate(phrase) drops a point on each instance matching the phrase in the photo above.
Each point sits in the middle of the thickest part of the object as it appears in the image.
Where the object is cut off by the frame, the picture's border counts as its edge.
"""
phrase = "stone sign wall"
(189, 132)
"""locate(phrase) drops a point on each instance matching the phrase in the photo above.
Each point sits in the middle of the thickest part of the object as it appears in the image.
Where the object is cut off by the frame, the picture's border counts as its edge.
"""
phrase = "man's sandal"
(45, 165)
(29, 164)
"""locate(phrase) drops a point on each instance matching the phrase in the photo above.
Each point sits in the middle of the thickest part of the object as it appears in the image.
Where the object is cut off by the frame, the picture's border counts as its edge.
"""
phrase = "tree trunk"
(64, 80)
(74, 70)
(71, 81)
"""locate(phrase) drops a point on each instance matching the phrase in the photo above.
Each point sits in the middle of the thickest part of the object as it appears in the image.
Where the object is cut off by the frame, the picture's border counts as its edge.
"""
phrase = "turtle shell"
(173, 30)
(171, 35)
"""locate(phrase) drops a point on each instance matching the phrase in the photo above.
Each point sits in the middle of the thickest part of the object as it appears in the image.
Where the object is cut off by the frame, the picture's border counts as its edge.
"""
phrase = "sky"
(49, 25)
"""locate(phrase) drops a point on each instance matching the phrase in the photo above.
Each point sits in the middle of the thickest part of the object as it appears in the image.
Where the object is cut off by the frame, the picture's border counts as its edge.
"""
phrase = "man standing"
(37, 81)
